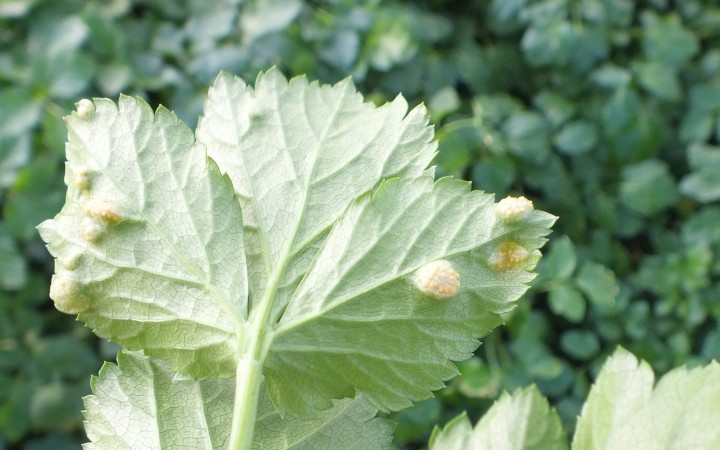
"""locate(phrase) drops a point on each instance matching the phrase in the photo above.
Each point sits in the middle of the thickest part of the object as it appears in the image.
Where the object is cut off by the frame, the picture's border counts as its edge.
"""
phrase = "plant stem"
(248, 379)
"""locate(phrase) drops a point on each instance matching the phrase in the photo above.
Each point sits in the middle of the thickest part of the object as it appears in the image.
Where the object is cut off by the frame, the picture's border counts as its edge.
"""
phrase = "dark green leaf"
(37, 192)
(576, 137)
(696, 127)
(667, 41)
(648, 187)
(560, 261)
(568, 302)
(477, 379)
(580, 344)
(659, 79)
(527, 134)
(557, 108)
(548, 43)
(703, 184)
(598, 283)
(495, 175)
(14, 153)
(13, 272)
(610, 76)
(20, 112)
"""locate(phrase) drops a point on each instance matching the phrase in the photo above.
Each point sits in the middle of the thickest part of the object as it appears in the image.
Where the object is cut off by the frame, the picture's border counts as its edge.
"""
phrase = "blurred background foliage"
(604, 112)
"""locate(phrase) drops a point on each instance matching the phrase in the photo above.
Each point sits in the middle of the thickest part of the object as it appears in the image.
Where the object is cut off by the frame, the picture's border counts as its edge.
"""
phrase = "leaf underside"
(297, 219)
(167, 275)
(623, 411)
(522, 420)
(139, 404)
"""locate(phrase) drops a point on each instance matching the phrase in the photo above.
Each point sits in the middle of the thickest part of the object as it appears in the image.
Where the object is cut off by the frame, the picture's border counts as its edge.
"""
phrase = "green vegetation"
(603, 112)
(623, 410)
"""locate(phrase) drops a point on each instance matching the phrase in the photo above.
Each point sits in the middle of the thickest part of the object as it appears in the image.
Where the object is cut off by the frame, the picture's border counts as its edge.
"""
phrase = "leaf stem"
(248, 376)
(248, 380)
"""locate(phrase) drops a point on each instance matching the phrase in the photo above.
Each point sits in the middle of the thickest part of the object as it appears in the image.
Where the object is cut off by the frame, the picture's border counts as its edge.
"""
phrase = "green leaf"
(155, 410)
(666, 41)
(696, 126)
(705, 97)
(702, 184)
(416, 421)
(318, 258)
(477, 379)
(347, 424)
(37, 190)
(557, 108)
(576, 137)
(261, 18)
(648, 187)
(624, 411)
(149, 241)
(495, 175)
(598, 283)
(20, 112)
(568, 302)
(368, 263)
(54, 407)
(14, 153)
(611, 76)
(701, 229)
(527, 134)
(444, 102)
(631, 128)
(580, 344)
(522, 420)
(298, 154)
(67, 74)
(54, 34)
(548, 43)
(13, 270)
(658, 79)
(15, 409)
(560, 261)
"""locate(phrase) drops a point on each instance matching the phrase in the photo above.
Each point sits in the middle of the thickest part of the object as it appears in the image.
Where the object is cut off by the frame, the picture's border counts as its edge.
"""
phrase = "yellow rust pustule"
(512, 209)
(65, 293)
(438, 280)
(81, 178)
(101, 210)
(91, 229)
(85, 109)
(509, 257)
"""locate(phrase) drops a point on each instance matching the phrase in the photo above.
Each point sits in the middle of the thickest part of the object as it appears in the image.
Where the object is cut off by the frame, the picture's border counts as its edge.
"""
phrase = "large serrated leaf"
(318, 261)
(139, 404)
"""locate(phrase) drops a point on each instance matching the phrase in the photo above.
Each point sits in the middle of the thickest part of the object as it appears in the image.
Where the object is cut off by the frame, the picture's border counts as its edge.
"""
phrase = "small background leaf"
(522, 420)
(624, 411)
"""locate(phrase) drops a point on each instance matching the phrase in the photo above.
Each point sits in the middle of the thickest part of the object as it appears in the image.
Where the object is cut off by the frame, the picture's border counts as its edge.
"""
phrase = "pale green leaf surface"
(306, 266)
(358, 321)
(298, 153)
(349, 424)
(164, 269)
(522, 420)
(140, 405)
(624, 412)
